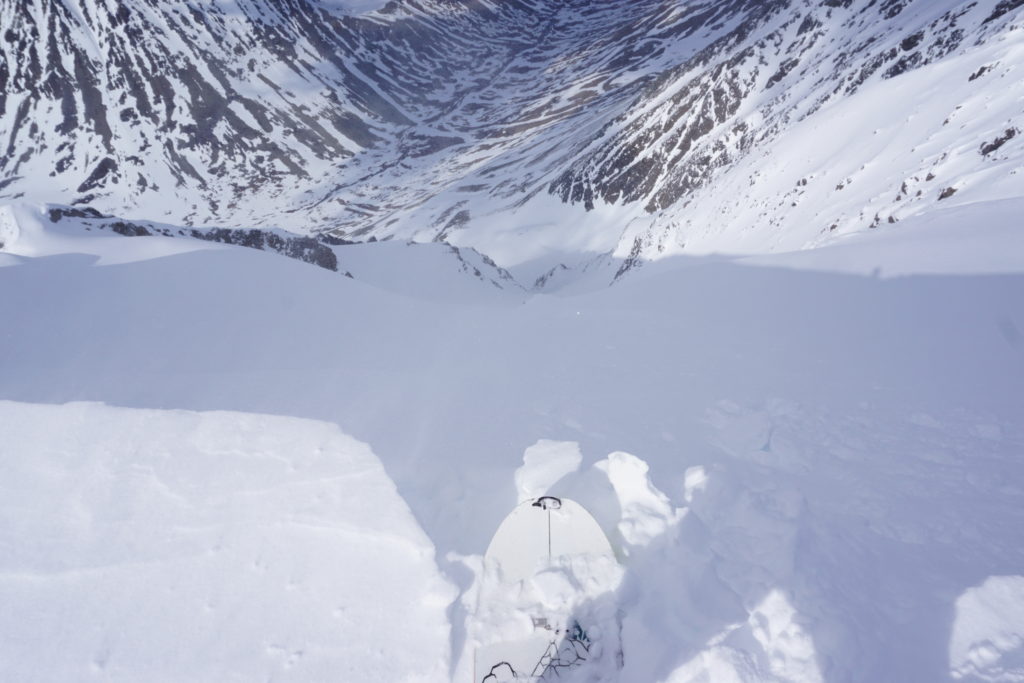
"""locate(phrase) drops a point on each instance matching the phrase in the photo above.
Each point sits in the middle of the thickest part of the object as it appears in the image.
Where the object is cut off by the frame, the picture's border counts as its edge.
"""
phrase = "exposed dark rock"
(904, 64)
(891, 8)
(912, 41)
(1002, 8)
(306, 249)
(980, 72)
(56, 213)
(808, 24)
(99, 174)
(989, 147)
(631, 261)
(541, 281)
(784, 68)
(128, 229)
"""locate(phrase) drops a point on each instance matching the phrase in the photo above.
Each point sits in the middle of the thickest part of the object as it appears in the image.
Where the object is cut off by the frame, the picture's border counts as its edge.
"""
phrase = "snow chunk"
(646, 511)
(988, 632)
(695, 480)
(544, 463)
(790, 650)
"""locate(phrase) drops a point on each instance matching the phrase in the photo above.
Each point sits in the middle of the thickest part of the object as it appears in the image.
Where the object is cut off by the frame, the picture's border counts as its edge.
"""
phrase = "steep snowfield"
(812, 464)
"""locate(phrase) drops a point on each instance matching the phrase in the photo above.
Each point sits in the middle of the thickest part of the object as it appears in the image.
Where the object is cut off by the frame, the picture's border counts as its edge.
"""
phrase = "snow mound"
(646, 511)
(988, 633)
(175, 545)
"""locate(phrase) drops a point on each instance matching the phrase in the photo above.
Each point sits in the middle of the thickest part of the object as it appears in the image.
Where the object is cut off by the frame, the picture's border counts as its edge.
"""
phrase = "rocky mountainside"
(516, 126)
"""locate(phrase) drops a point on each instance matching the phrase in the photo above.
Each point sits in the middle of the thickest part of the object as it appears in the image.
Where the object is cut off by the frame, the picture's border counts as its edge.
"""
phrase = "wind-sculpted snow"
(174, 545)
(604, 126)
(744, 96)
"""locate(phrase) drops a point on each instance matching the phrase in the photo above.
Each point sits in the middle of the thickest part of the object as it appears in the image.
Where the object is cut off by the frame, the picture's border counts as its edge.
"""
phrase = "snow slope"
(168, 545)
(811, 467)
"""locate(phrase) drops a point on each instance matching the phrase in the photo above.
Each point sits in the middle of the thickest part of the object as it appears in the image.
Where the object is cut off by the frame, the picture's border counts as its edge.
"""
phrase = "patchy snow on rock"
(788, 647)
(988, 632)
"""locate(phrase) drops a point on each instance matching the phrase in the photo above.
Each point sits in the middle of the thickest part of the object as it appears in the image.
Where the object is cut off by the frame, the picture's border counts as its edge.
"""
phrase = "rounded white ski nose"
(540, 530)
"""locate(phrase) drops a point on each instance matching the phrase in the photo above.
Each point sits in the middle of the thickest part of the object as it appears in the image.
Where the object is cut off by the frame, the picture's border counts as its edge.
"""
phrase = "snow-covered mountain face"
(517, 127)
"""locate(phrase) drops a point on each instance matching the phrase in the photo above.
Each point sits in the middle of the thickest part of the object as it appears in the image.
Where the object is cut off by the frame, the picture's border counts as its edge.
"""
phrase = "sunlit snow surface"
(168, 545)
(811, 465)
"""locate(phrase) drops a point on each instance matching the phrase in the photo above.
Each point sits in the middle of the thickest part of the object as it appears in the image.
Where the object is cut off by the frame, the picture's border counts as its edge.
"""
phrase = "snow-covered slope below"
(818, 470)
